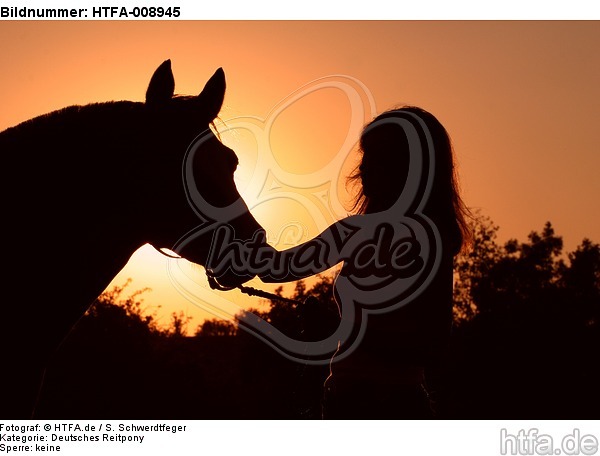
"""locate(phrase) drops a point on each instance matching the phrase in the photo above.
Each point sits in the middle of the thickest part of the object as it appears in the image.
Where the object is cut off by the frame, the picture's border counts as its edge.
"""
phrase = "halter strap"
(250, 291)
(168, 255)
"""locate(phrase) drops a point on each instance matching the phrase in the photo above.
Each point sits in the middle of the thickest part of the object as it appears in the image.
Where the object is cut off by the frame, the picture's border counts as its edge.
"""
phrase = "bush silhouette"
(524, 346)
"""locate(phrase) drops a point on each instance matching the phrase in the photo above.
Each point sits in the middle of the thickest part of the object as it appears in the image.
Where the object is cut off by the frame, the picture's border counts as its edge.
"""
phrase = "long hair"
(445, 205)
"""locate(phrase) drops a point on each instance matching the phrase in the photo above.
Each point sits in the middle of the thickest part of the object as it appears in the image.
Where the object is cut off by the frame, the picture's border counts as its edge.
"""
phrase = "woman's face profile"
(383, 168)
(372, 175)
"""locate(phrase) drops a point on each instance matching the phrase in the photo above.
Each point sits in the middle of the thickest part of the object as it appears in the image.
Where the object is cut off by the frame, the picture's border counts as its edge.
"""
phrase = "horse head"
(206, 172)
(88, 185)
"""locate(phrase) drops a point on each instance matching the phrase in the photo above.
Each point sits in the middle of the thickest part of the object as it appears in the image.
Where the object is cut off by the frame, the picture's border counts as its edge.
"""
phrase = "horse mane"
(65, 118)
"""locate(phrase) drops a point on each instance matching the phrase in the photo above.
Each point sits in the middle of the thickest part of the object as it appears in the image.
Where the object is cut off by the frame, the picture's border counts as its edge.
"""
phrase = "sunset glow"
(519, 99)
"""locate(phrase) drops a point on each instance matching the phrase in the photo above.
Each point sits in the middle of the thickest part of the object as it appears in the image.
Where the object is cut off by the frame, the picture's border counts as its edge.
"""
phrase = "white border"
(345, 10)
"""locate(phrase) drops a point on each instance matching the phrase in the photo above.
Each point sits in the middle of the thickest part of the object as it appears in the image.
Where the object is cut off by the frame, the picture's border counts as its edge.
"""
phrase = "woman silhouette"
(396, 371)
(395, 286)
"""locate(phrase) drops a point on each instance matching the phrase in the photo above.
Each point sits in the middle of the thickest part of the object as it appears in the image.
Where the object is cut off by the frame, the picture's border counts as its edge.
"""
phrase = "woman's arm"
(232, 259)
(310, 258)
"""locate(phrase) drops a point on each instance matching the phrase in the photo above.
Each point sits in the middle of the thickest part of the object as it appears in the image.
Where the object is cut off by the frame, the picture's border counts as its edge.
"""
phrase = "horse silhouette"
(83, 188)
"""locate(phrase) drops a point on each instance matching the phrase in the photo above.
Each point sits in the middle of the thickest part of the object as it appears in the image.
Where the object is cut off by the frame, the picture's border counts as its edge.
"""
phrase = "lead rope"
(250, 291)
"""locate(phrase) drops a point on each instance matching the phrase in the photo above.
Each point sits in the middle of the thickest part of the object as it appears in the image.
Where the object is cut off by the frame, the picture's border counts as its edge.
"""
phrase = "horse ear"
(162, 84)
(211, 97)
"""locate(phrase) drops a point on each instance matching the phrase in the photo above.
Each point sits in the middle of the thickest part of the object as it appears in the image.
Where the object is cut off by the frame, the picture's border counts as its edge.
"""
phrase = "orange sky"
(519, 99)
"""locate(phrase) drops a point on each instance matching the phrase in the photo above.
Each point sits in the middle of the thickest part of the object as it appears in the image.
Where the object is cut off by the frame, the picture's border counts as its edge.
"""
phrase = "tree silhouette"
(472, 269)
(525, 345)
(179, 324)
(581, 283)
(527, 327)
(216, 328)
